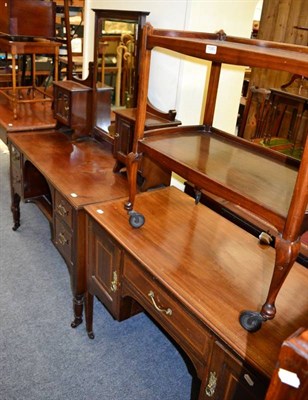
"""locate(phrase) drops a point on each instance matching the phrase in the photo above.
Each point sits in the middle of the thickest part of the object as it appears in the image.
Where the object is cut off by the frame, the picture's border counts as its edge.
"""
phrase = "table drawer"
(169, 312)
(63, 209)
(63, 240)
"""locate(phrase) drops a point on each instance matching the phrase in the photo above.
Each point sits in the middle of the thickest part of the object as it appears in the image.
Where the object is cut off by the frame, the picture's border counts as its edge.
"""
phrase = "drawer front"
(124, 130)
(169, 313)
(63, 209)
(229, 379)
(103, 266)
(63, 240)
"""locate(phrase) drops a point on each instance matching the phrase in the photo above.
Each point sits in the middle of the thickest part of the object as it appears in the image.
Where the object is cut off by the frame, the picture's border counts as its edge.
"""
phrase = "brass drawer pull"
(167, 311)
(62, 239)
(249, 380)
(62, 210)
(211, 386)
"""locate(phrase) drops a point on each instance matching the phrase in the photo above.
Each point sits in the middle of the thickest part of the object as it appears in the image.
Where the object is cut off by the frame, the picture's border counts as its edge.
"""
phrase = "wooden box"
(31, 18)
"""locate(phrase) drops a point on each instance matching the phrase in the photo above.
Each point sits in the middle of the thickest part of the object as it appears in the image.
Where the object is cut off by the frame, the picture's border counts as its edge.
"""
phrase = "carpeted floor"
(41, 357)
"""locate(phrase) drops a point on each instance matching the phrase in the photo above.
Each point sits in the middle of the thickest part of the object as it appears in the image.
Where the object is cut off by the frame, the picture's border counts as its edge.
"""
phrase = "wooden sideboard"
(193, 272)
(61, 176)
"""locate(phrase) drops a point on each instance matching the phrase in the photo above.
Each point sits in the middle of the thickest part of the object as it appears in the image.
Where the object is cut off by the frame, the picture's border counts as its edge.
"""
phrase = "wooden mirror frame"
(135, 17)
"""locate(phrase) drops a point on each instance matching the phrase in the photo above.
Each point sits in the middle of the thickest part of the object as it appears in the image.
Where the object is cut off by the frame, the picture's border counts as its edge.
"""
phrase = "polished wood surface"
(262, 180)
(212, 267)
(83, 168)
(152, 120)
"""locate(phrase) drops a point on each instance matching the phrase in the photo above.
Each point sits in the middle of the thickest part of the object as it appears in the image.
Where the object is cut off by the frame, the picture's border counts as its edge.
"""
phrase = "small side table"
(35, 47)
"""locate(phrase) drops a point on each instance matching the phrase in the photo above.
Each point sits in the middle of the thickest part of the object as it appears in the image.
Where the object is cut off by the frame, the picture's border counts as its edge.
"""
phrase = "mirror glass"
(115, 67)
(116, 58)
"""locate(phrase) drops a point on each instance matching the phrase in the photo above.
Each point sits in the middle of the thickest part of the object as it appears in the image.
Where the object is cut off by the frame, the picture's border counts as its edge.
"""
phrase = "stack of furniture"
(191, 269)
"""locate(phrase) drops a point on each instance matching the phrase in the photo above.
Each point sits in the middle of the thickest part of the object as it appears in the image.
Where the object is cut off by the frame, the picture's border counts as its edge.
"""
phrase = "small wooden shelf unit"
(260, 180)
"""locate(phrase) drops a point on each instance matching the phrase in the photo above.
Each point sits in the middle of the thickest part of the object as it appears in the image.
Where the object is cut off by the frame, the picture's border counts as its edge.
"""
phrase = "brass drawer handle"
(211, 386)
(62, 210)
(249, 380)
(62, 239)
(167, 311)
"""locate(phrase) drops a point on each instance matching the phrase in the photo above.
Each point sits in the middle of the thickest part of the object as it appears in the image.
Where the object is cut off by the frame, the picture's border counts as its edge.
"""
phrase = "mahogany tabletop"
(81, 171)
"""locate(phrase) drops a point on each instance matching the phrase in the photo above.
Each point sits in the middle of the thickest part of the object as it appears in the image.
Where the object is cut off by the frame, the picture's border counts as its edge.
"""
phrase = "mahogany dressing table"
(61, 176)
(193, 272)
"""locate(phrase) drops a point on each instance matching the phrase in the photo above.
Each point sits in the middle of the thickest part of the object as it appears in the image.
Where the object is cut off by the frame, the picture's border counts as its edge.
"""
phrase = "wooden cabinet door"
(124, 138)
(230, 379)
(62, 106)
(103, 266)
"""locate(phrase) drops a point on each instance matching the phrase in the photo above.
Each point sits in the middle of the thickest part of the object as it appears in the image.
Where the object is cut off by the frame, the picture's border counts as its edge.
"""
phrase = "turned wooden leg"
(136, 219)
(286, 254)
(15, 208)
(89, 314)
(132, 170)
(78, 308)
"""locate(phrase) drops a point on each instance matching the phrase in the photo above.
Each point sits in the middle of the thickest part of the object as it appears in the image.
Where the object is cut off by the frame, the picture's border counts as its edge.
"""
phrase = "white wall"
(163, 14)
(235, 18)
(181, 85)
